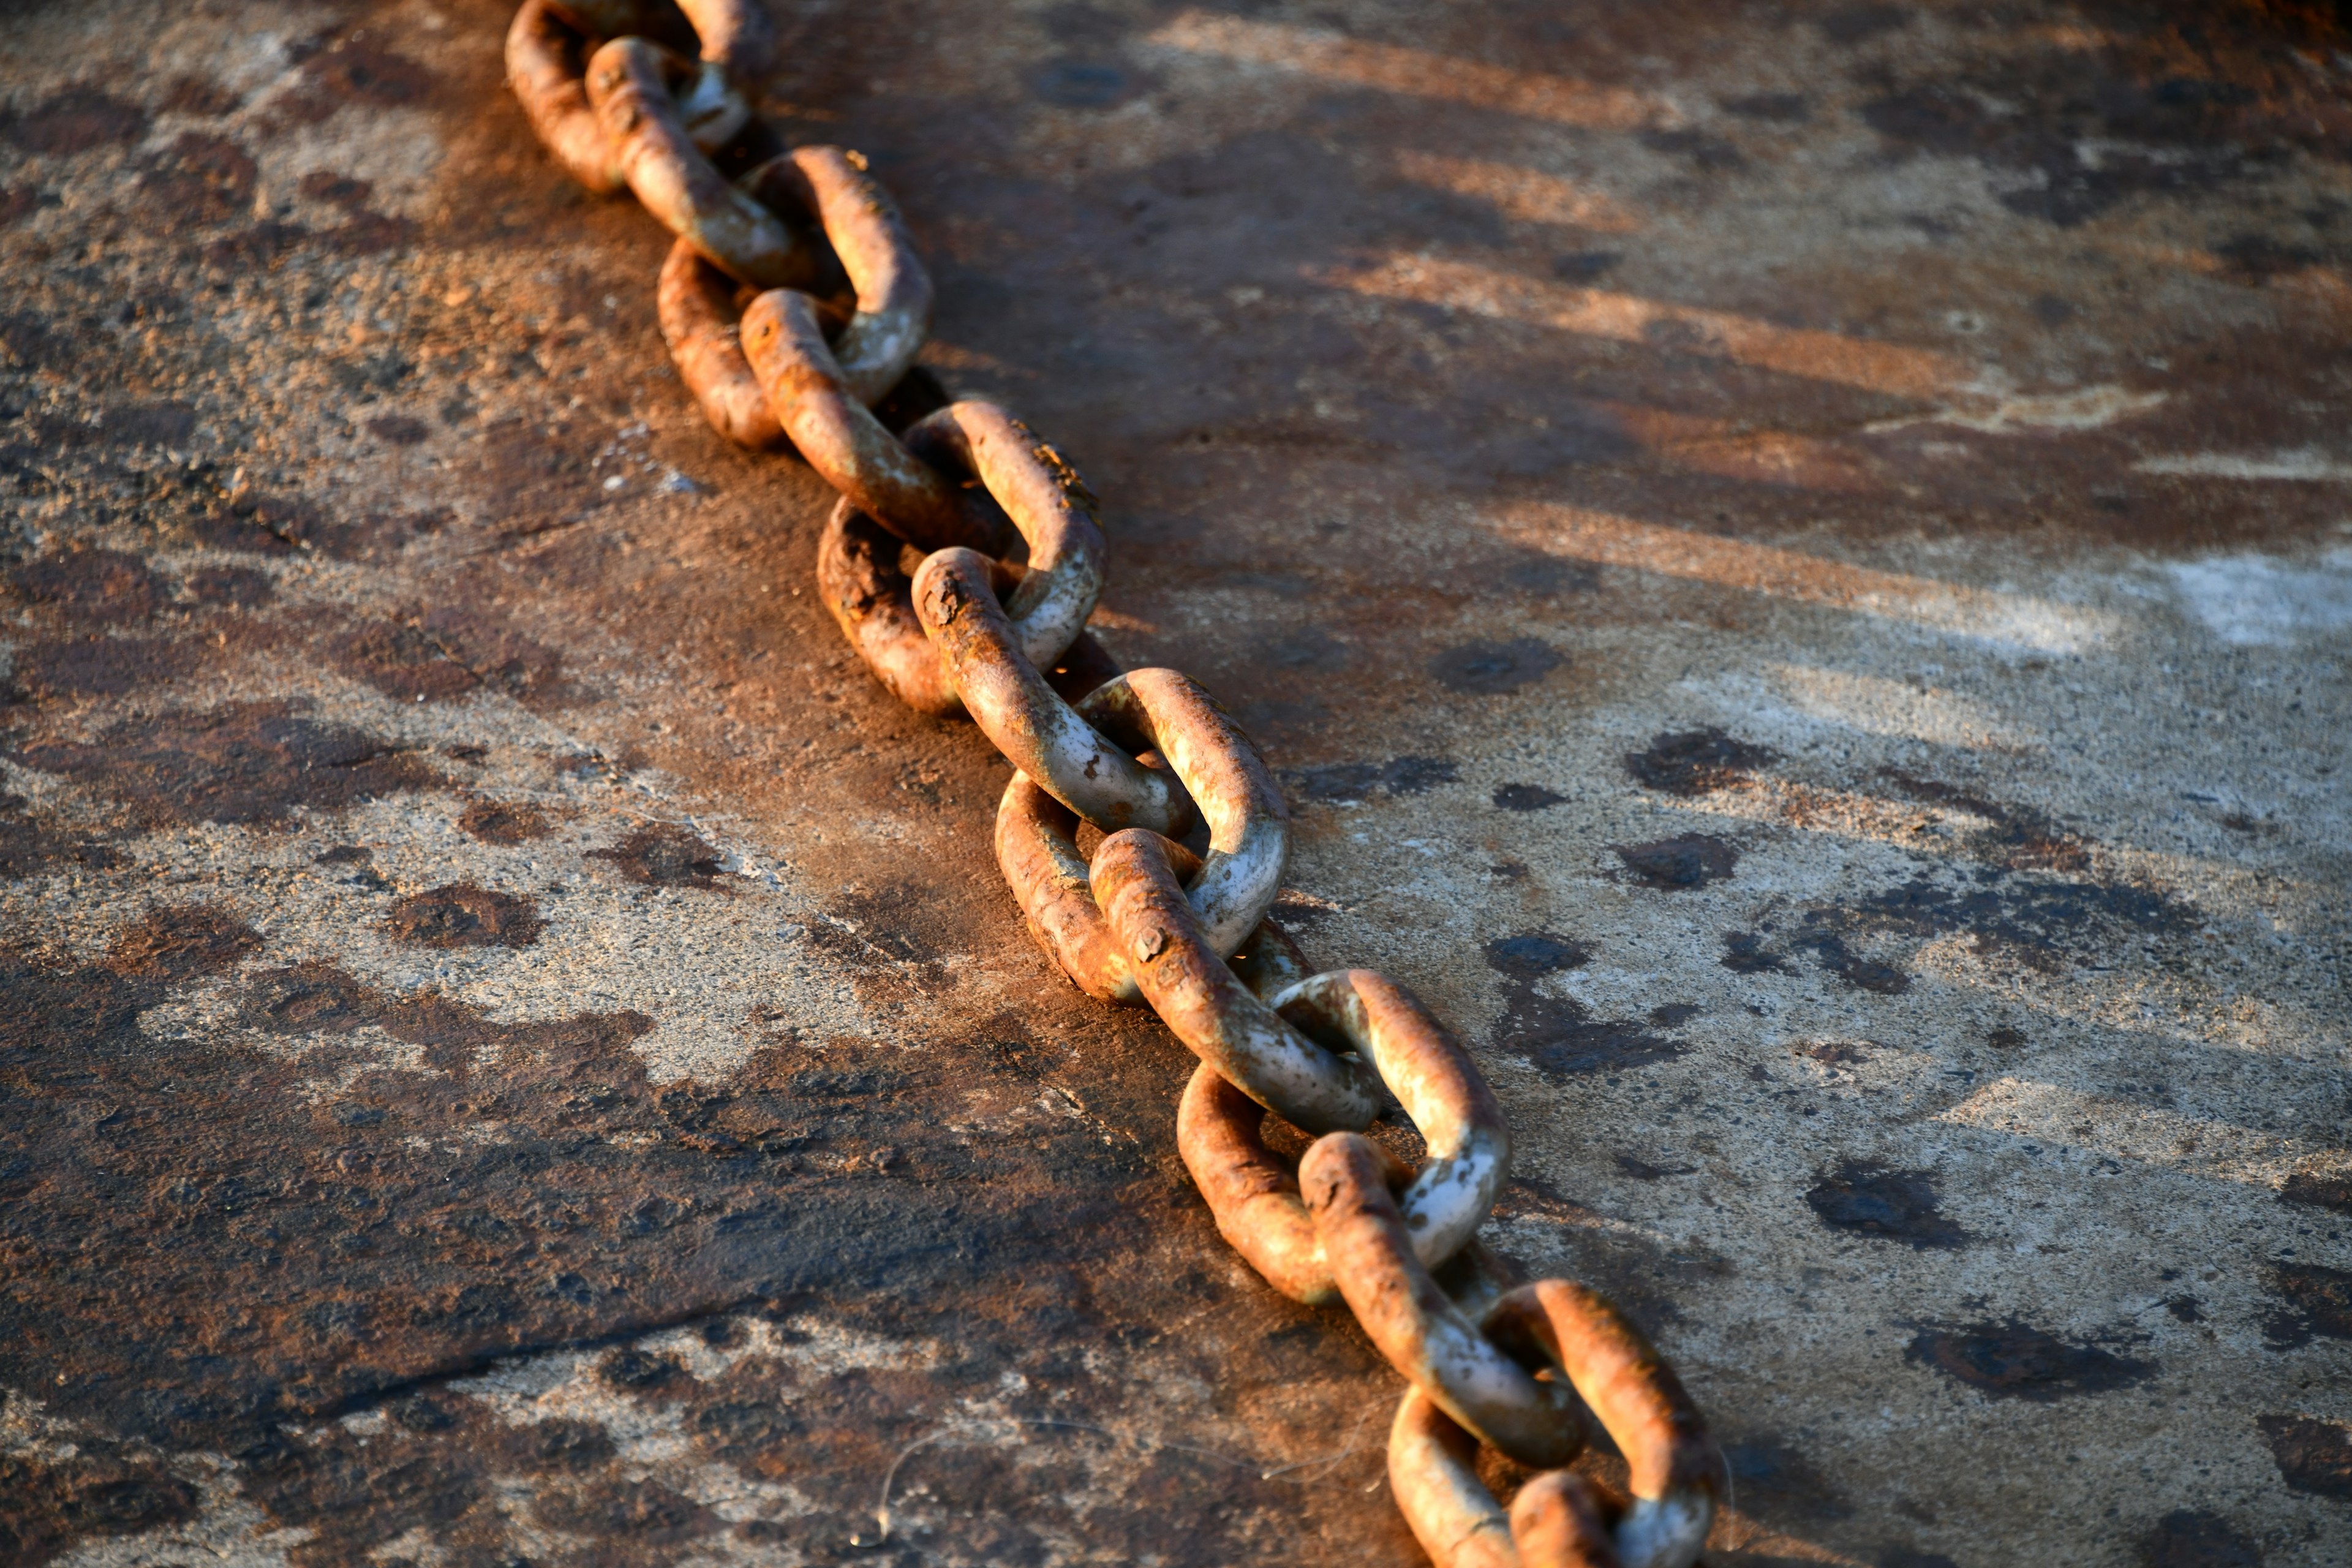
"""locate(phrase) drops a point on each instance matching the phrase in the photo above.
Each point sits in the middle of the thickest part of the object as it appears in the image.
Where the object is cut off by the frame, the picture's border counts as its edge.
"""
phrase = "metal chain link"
(655, 95)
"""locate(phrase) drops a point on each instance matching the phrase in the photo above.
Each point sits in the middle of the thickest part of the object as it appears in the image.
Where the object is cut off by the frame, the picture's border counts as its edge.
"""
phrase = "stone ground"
(1796, 559)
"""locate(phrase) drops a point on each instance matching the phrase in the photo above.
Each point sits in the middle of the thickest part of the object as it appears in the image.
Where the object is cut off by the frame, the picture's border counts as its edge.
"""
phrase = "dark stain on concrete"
(1858, 24)
(1747, 953)
(240, 587)
(328, 1268)
(1536, 952)
(1559, 1035)
(1694, 762)
(1525, 798)
(1350, 783)
(638, 1371)
(1687, 860)
(2194, 1537)
(2014, 1361)
(2036, 918)
(1819, 936)
(463, 914)
(445, 653)
(2312, 1455)
(1489, 669)
(240, 763)
(2317, 1300)
(663, 855)
(2020, 839)
(1643, 1171)
(1873, 1200)
(1778, 1481)
(1562, 1038)
(503, 822)
(2320, 1190)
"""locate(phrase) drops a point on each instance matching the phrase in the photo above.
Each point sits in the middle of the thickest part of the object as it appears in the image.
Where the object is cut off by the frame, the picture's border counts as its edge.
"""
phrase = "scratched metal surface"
(1795, 561)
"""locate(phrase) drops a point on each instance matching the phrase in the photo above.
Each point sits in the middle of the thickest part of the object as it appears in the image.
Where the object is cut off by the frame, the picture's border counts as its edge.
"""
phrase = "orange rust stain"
(1732, 452)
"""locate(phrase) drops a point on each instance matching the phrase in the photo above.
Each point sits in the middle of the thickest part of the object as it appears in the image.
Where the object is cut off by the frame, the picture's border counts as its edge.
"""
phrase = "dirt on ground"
(1795, 562)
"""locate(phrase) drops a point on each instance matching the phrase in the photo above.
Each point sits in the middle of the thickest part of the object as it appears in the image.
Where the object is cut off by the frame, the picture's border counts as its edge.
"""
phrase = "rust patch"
(30, 847)
(59, 1494)
(175, 945)
(103, 666)
(238, 587)
(78, 120)
(94, 584)
(503, 822)
(1871, 1200)
(1689, 861)
(1694, 762)
(463, 914)
(197, 180)
(2012, 1361)
(663, 855)
(402, 661)
(2312, 1455)
(247, 762)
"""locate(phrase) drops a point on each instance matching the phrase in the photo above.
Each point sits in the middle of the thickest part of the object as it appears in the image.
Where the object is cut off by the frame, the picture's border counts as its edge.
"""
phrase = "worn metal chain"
(793, 302)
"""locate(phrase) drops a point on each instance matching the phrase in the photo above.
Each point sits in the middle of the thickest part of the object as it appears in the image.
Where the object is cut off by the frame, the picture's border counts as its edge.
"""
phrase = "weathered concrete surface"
(1796, 561)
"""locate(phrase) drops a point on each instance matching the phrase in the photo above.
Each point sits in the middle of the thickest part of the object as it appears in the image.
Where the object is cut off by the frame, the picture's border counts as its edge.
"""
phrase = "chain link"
(653, 96)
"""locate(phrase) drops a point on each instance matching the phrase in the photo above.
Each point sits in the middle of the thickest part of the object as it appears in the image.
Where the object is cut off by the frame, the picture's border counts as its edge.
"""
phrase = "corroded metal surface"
(1810, 537)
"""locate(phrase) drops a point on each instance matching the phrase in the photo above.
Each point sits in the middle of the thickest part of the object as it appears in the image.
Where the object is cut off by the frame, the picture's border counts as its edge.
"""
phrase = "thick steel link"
(544, 48)
(783, 339)
(696, 303)
(1047, 501)
(1678, 1474)
(1255, 1199)
(1014, 706)
(894, 291)
(1141, 756)
(1560, 1520)
(631, 87)
(1421, 1331)
(877, 347)
(860, 574)
(1206, 1006)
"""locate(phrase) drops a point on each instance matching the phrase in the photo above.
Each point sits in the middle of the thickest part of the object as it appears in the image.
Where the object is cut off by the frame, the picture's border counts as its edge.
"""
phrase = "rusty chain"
(793, 302)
